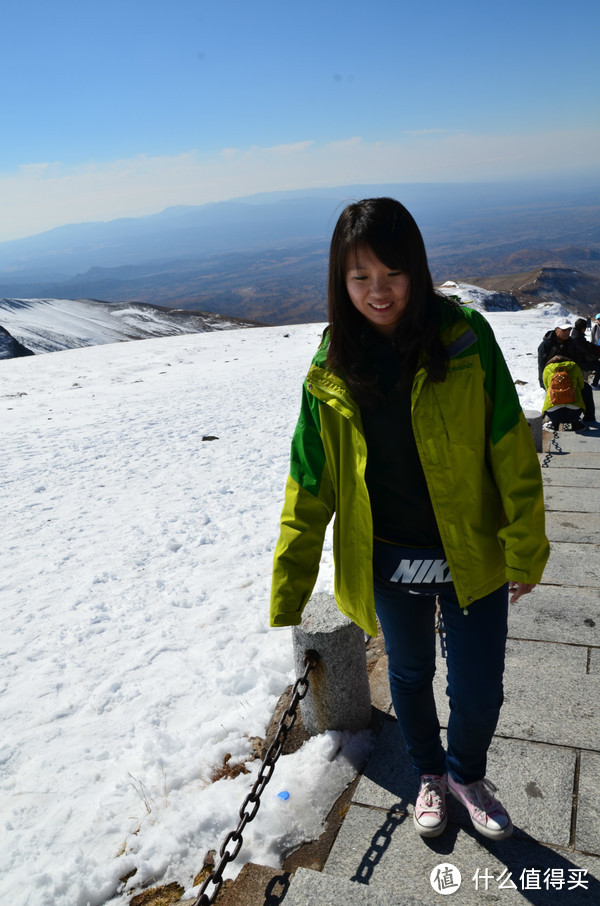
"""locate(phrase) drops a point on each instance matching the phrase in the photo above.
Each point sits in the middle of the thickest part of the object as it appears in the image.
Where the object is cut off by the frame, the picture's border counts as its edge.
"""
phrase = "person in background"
(411, 433)
(596, 342)
(556, 342)
(559, 342)
(563, 408)
(588, 358)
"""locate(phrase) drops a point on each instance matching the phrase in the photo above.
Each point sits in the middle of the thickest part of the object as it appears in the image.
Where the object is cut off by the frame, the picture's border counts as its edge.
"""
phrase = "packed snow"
(134, 585)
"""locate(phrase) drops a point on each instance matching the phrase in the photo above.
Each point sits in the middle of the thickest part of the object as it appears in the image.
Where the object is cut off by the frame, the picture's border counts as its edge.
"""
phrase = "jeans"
(588, 401)
(476, 643)
(564, 415)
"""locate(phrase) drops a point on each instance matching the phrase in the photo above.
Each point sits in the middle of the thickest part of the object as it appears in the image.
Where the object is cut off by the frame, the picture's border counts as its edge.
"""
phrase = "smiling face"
(379, 293)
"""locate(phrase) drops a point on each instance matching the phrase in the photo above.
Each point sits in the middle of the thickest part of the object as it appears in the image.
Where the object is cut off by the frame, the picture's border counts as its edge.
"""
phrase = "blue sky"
(125, 107)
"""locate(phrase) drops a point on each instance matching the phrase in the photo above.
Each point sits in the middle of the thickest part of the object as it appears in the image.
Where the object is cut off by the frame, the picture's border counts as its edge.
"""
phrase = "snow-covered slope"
(11, 348)
(50, 325)
(135, 562)
(476, 297)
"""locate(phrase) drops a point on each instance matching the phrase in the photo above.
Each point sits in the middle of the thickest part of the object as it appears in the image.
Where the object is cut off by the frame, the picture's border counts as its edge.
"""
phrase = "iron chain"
(555, 442)
(288, 719)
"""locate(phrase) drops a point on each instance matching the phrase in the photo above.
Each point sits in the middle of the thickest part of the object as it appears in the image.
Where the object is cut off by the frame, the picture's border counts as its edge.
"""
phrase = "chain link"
(557, 449)
(288, 719)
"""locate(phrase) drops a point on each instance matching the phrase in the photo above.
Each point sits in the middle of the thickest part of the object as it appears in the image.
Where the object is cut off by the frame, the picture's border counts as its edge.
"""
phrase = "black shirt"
(400, 501)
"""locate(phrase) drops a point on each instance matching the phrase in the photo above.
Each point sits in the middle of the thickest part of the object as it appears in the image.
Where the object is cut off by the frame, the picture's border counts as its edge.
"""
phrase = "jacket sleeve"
(308, 508)
(542, 355)
(515, 467)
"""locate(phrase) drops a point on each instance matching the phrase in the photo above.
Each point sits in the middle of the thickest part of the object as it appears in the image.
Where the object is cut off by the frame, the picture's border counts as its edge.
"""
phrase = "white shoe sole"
(430, 831)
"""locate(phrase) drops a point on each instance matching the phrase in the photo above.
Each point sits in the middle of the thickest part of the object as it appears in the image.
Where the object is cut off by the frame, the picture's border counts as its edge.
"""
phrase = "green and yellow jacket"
(576, 376)
(480, 465)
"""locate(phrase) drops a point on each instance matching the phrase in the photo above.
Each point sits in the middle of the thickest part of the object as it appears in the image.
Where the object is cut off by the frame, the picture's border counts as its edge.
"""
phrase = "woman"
(411, 432)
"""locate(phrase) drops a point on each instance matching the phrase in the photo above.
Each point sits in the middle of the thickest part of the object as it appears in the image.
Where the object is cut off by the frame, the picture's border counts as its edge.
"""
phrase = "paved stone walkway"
(544, 759)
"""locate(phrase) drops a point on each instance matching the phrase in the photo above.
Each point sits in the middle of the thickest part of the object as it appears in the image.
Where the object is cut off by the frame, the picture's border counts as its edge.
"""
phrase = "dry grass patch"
(228, 770)
(159, 896)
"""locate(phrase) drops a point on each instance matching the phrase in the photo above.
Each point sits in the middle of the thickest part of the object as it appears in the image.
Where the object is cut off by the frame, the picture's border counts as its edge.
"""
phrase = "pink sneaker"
(429, 816)
(488, 816)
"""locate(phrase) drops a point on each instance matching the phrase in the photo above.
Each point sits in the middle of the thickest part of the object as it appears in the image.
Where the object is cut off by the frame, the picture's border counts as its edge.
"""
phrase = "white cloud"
(426, 131)
(294, 148)
(40, 196)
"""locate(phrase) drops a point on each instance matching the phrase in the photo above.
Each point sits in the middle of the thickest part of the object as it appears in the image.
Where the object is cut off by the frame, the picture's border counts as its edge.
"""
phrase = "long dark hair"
(391, 232)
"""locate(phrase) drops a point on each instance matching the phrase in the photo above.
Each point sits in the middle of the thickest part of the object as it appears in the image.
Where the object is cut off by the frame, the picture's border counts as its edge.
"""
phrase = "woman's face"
(378, 293)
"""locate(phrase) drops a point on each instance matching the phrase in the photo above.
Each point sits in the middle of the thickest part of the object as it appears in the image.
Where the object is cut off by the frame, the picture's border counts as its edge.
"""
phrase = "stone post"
(535, 420)
(338, 697)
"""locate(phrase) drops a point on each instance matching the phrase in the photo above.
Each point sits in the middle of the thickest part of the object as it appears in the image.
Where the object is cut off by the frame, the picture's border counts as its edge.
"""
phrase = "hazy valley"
(265, 258)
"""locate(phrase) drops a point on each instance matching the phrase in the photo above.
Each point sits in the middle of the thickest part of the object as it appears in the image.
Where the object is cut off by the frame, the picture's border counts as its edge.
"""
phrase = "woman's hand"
(516, 589)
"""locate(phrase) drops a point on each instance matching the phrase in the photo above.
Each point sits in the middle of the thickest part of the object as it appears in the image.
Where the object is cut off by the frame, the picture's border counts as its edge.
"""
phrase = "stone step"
(589, 460)
(313, 888)
(535, 782)
(572, 441)
(572, 478)
(569, 565)
(383, 849)
(571, 500)
(577, 527)
(551, 613)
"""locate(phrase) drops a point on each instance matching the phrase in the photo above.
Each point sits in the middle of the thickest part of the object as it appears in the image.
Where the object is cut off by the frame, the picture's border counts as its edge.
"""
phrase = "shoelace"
(480, 795)
(431, 793)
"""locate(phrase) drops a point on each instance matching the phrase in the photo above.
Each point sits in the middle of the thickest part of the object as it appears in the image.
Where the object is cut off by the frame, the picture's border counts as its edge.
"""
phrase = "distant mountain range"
(49, 325)
(264, 258)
